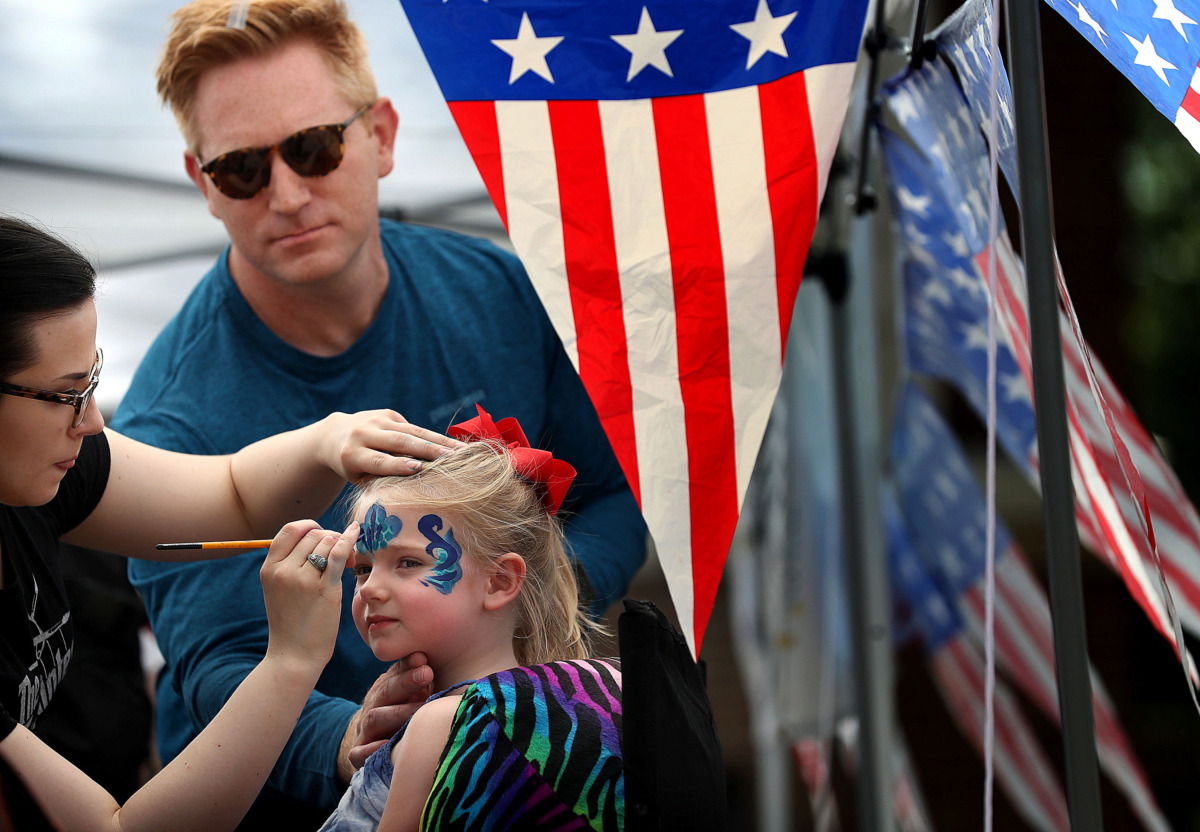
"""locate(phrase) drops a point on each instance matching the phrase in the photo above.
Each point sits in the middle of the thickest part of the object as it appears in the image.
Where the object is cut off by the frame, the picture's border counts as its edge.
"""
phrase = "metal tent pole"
(856, 406)
(1058, 498)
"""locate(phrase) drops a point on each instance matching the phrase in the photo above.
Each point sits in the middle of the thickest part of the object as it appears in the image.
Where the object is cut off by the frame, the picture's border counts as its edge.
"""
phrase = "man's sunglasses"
(316, 151)
(79, 401)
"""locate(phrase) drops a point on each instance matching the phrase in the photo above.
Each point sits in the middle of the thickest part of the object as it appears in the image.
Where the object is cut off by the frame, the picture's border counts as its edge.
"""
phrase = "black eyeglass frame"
(209, 169)
(79, 401)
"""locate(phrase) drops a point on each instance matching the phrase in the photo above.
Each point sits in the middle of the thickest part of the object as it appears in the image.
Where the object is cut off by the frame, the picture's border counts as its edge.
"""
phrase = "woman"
(63, 476)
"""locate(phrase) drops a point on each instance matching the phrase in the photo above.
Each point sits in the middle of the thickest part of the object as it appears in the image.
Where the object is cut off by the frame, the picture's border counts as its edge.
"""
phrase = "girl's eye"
(408, 563)
(362, 570)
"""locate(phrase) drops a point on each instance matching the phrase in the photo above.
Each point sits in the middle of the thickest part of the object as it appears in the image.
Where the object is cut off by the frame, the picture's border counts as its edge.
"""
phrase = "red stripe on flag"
(1009, 729)
(477, 122)
(792, 181)
(590, 250)
(702, 326)
(1191, 104)
(1010, 657)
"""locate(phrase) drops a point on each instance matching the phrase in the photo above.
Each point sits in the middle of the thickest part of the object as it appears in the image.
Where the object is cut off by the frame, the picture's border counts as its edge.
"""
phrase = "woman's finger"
(315, 556)
(288, 538)
(340, 553)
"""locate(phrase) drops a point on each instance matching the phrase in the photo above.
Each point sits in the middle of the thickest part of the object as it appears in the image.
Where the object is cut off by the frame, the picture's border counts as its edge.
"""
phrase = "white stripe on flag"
(828, 91)
(648, 297)
(1185, 121)
(1021, 766)
(534, 213)
(743, 211)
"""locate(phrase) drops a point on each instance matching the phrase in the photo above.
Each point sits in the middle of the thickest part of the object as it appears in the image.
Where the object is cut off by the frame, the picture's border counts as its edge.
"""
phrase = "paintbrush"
(217, 544)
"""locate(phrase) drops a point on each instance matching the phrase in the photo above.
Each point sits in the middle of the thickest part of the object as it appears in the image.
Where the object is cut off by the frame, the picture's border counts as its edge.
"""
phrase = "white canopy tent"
(87, 149)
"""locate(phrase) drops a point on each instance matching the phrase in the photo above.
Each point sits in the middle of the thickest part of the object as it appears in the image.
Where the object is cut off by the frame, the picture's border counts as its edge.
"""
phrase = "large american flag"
(659, 166)
(1154, 43)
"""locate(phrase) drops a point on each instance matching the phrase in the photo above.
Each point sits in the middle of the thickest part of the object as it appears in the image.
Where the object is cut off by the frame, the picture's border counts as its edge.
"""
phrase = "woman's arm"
(156, 496)
(213, 782)
(415, 759)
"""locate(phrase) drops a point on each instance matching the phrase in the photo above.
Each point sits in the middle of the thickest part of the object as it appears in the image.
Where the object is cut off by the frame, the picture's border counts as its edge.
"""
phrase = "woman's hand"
(303, 602)
(375, 442)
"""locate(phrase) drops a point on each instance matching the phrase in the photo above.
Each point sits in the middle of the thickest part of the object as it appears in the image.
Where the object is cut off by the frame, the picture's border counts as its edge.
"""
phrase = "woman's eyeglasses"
(315, 151)
(79, 401)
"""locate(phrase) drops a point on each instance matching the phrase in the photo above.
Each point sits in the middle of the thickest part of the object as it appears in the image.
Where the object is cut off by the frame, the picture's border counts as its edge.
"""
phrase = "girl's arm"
(156, 496)
(214, 780)
(415, 759)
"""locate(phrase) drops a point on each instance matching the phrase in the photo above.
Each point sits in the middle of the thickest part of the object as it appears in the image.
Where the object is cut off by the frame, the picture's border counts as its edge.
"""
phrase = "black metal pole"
(1058, 497)
(870, 637)
(916, 49)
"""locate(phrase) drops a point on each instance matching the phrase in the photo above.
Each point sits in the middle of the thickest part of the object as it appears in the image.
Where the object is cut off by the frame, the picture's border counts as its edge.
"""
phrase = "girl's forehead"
(378, 507)
(383, 520)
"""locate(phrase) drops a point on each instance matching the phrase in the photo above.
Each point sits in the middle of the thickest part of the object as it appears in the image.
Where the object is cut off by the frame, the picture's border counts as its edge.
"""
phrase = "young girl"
(464, 561)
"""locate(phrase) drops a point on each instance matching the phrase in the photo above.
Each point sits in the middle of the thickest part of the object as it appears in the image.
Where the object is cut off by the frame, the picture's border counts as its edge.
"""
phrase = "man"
(318, 305)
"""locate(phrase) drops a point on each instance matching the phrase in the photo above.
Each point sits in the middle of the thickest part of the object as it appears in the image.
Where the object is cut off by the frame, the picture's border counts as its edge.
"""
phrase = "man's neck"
(324, 318)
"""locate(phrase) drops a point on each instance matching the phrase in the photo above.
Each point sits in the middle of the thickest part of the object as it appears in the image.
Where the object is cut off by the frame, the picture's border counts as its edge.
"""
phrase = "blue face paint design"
(447, 568)
(377, 528)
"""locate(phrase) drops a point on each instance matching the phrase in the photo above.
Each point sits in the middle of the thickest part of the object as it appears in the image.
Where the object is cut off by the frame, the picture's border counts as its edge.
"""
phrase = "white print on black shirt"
(52, 655)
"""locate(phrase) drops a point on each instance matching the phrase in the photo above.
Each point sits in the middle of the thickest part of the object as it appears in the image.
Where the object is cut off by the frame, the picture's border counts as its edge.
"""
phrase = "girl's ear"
(504, 584)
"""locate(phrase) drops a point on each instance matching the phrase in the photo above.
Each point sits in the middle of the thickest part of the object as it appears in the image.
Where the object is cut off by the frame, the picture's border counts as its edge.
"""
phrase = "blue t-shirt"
(460, 324)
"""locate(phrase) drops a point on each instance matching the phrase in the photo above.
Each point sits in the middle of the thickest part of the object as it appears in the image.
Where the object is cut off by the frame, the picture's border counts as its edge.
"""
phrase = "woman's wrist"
(293, 666)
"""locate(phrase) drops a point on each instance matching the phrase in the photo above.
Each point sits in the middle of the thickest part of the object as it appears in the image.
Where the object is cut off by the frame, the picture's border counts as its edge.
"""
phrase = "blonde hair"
(201, 39)
(497, 511)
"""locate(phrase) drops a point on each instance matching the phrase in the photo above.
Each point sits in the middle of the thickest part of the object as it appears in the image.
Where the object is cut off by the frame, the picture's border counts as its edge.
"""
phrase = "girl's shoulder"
(431, 720)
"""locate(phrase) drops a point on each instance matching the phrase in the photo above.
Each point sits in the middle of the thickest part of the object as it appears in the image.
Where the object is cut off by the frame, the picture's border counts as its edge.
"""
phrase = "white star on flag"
(903, 106)
(528, 51)
(914, 235)
(912, 202)
(955, 128)
(957, 243)
(647, 47)
(1087, 20)
(960, 53)
(1146, 56)
(975, 336)
(963, 280)
(765, 33)
(1016, 389)
(1165, 10)
(1006, 112)
(935, 290)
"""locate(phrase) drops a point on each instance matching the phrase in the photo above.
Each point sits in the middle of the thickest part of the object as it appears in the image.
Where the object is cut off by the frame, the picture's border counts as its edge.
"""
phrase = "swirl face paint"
(377, 528)
(447, 567)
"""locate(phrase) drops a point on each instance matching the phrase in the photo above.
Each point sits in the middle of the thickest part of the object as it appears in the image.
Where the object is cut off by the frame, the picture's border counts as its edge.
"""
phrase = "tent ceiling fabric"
(87, 149)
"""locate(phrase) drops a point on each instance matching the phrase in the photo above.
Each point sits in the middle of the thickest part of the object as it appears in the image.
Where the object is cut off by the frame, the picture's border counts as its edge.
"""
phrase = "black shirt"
(35, 621)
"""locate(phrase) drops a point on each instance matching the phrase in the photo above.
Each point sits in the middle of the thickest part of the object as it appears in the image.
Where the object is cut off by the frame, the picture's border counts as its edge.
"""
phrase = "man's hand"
(390, 702)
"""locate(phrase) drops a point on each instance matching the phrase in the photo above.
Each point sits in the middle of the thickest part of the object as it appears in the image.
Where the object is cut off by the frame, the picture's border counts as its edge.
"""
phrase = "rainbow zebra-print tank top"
(534, 747)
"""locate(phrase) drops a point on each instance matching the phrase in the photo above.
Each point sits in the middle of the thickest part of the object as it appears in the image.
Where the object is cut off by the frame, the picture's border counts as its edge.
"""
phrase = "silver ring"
(319, 561)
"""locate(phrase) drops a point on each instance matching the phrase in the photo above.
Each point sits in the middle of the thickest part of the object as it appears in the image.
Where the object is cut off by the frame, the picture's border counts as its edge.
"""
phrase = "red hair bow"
(552, 476)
